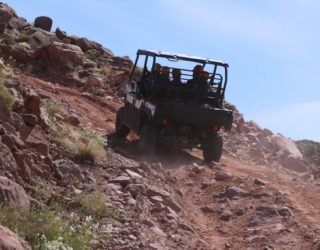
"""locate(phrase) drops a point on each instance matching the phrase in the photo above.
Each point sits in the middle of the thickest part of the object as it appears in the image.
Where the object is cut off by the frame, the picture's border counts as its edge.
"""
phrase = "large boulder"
(43, 22)
(288, 154)
(286, 145)
(60, 34)
(86, 44)
(10, 241)
(6, 13)
(7, 161)
(18, 23)
(65, 56)
(32, 103)
(12, 193)
(36, 138)
(44, 38)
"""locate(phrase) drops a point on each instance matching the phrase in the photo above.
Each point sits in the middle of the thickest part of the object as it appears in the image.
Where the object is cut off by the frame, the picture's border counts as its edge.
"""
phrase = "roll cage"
(218, 75)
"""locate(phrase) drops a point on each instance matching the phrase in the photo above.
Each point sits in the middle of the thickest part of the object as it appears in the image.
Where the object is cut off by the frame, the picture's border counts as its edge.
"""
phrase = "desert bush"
(28, 39)
(81, 144)
(45, 229)
(5, 95)
(49, 110)
(94, 205)
(8, 41)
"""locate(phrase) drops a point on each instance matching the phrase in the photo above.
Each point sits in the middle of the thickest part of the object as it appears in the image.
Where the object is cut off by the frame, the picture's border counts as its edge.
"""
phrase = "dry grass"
(94, 205)
(81, 144)
(49, 110)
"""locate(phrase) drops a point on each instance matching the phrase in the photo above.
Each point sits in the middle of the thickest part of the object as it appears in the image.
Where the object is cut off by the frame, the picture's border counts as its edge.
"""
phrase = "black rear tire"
(148, 139)
(121, 130)
(212, 147)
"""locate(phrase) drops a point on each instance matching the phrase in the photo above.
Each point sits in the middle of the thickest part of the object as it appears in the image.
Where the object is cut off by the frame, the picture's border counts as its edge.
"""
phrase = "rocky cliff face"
(60, 180)
(250, 142)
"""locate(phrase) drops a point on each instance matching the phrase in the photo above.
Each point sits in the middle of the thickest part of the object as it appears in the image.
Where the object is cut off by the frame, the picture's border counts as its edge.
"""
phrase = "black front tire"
(121, 130)
(212, 147)
(148, 139)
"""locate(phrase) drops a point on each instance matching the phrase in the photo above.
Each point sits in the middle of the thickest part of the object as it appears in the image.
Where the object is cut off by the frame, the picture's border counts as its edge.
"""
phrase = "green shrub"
(45, 229)
(93, 205)
(28, 39)
(5, 95)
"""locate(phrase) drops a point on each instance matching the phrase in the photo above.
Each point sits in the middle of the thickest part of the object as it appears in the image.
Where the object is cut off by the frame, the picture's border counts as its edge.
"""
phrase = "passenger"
(164, 73)
(176, 76)
(197, 70)
(156, 70)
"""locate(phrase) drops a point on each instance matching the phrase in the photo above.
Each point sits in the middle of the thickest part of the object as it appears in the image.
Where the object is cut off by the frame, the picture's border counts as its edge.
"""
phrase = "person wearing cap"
(197, 70)
(176, 76)
(164, 73)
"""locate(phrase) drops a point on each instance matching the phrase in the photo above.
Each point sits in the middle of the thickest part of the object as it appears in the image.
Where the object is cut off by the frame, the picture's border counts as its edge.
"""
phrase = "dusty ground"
(200, 193)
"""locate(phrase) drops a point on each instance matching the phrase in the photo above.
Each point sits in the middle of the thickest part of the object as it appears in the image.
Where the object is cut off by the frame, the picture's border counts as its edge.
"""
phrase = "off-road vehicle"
(184, 111)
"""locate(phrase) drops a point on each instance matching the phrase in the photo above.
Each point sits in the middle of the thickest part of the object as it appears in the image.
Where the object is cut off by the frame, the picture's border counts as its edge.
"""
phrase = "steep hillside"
(63, 183)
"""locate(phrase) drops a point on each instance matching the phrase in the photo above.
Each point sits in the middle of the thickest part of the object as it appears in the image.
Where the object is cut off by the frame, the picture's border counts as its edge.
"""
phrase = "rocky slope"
(58, 100)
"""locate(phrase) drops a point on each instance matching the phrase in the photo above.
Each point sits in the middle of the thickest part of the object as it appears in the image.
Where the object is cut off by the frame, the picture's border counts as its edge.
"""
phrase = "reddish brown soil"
(302, 197)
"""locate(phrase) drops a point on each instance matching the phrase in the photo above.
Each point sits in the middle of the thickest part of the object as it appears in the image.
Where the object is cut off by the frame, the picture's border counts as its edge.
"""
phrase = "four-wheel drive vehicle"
(186, 113)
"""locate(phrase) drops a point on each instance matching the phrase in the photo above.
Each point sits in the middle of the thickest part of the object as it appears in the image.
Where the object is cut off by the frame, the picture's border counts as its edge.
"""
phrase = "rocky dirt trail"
(96, 112)
(262, 195)
(226, 206)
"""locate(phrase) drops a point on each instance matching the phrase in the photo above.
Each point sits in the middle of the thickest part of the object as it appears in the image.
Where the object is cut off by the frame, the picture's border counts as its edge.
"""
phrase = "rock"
(155, 246)
(259, 182)
(60, 34)
(186, 227)
(32, 103)
(226, 215)
(234, 193)
(6, 13)
(25, 161)
(157, 231)
(64, 56)
(85, 44)
(240, 212)
(12, 193)
(36, 138)
(72, 119)
(122, 180)
(7, 161)
(111, 186)
(68, 169)
(30, 119)
(154, 191)
(295, 164)
(156, 199)
(43, 22)
(10, 241)
(222, 176)
(44, 38)
(284, 211)
(136, 189)
(18, 23)
(172, 204)
(93, 82)
(316, 245)
(197, 169)
(133, 174)
(207, 210)
(267, 214)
